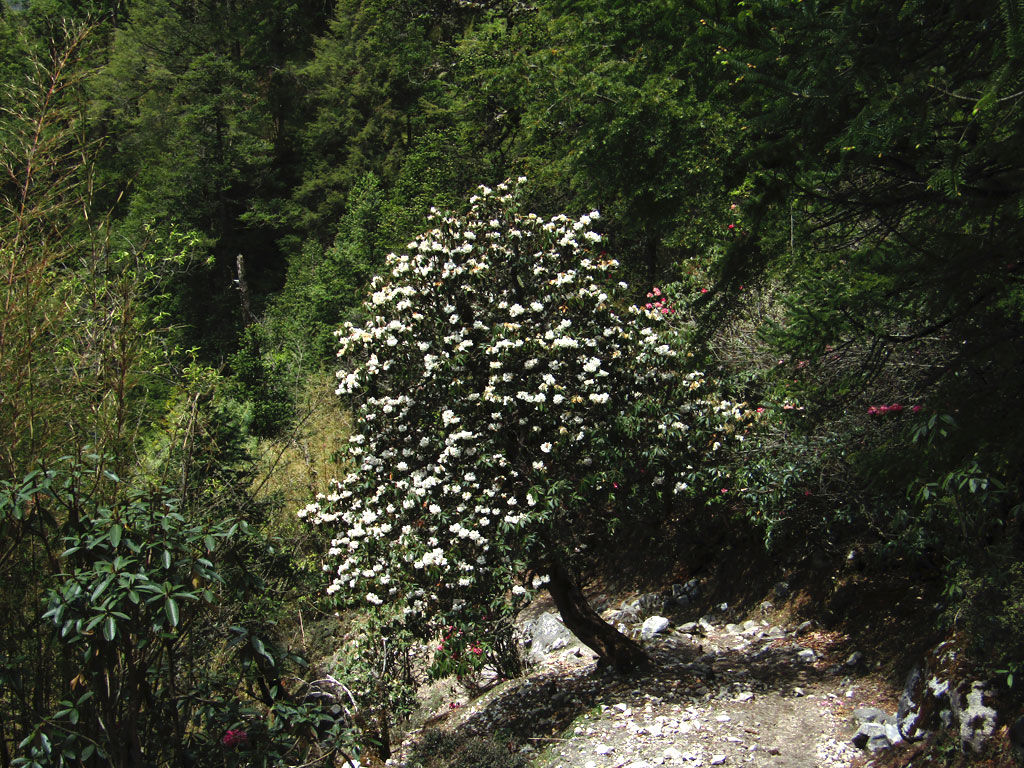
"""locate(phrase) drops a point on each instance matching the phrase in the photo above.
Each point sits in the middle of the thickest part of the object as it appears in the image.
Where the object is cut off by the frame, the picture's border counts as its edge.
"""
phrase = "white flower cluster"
(498, 355)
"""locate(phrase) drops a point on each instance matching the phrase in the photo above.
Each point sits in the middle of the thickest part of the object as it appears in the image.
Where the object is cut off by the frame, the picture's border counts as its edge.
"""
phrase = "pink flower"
(760, 410)
(872, 410)
(234, 738)
(703, 290)
(916, 409)
(725, 490)
(896, 408)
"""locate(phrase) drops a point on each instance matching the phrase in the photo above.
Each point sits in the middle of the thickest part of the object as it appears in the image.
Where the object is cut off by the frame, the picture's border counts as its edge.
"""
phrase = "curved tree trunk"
(611, 646)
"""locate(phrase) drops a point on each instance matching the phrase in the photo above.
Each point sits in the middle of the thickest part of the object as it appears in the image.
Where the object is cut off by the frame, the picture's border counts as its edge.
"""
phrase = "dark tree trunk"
(611, 646)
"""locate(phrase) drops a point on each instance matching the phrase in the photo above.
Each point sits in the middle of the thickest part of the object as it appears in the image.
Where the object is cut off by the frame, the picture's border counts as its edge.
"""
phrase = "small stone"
(723, 718)
(719, 759)
(804, 627)
(872, 715)
(798, 691)
(603, 749)
(781, 589)
(871, 736)
(744, 696)
(653, 626)
(622, 707)
(671, 753)
(892, 733)
(807, 656)
(855, 659)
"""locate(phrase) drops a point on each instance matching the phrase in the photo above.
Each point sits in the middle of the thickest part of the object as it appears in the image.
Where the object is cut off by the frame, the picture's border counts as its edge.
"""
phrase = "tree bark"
(243, 289)
(611, 646)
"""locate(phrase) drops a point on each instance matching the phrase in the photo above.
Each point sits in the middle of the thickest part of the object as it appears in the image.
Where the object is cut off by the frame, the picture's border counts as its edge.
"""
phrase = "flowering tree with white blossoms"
(508, 398)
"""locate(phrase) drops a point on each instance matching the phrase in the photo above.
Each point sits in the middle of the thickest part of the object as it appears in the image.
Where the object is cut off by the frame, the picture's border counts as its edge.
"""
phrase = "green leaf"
(100, 588)
(115, 534)
(166, 556)
(258, 646)
(110, 629)
(171, 609)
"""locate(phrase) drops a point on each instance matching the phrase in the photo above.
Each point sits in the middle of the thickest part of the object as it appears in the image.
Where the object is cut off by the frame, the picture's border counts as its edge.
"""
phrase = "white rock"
(653, 626)
(718, 759)
(723, 718)
(603, 749)
(744, 696)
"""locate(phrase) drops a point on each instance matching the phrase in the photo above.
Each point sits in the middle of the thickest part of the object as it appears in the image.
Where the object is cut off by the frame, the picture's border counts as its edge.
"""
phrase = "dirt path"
(718, 694)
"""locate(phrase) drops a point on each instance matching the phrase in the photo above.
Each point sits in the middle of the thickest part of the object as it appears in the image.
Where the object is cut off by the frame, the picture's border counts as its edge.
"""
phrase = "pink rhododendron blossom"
(234, 738)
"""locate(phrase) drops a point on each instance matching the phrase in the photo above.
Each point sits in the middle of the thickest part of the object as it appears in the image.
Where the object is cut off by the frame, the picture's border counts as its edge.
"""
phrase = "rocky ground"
(756, 692)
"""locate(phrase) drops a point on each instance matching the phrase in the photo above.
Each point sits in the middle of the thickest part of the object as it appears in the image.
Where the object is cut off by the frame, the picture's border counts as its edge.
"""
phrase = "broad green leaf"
(171, 609)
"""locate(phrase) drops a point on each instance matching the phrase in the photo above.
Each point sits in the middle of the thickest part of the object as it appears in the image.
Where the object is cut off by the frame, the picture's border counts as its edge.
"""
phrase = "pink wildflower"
(234, 738)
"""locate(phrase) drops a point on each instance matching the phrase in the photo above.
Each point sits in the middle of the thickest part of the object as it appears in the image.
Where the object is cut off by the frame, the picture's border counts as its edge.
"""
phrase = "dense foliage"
(193, 196)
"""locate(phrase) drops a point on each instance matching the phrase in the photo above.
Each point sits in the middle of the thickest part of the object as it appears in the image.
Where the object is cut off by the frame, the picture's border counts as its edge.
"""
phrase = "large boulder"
(548, 634)
(942, 695)
(974, 714)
